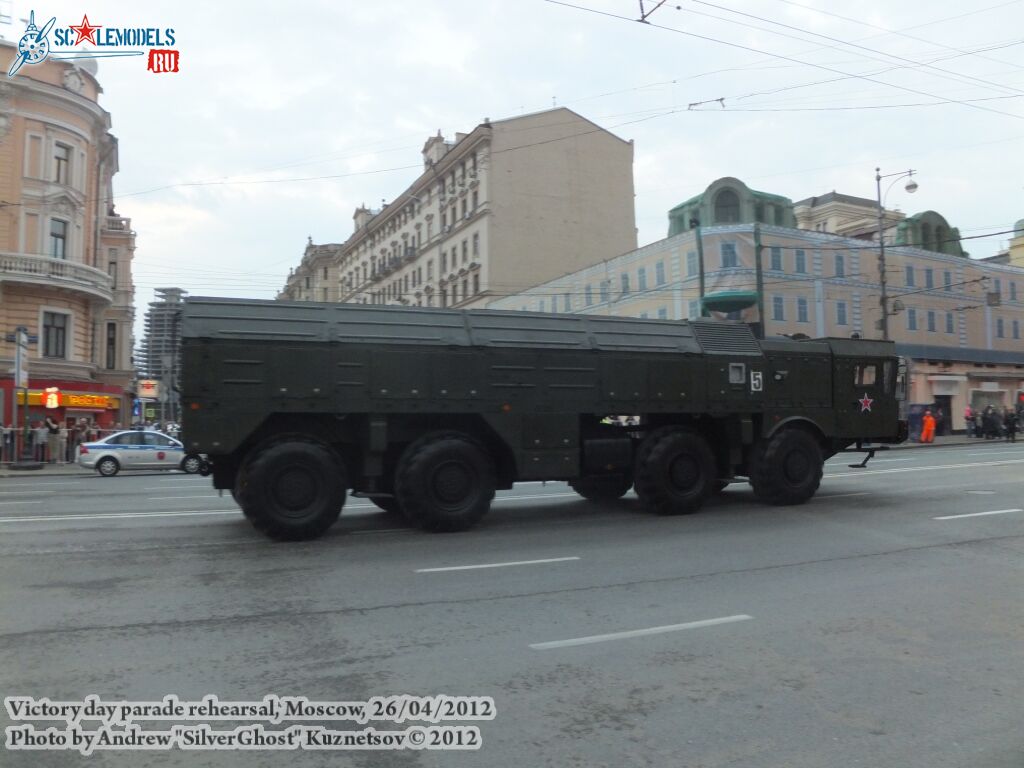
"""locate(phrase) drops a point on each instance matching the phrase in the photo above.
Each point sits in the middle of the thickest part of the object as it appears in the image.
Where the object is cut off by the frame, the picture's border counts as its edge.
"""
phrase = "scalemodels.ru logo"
(63, 42)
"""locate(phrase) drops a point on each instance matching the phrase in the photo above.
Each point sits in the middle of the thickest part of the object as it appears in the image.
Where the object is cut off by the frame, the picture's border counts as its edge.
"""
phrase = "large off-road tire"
(293, 489)
(602, 488)
(787, 468)
(445, 482)
(675, 471)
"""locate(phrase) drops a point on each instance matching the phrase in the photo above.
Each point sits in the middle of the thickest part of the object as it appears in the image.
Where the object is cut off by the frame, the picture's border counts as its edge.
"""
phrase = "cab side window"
(865, 375)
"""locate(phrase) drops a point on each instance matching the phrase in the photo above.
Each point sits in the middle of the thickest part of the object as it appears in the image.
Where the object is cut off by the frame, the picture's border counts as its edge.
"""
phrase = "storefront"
(66, 402)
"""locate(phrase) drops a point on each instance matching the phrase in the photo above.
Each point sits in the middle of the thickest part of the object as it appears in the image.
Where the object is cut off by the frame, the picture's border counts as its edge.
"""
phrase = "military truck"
(427, 412)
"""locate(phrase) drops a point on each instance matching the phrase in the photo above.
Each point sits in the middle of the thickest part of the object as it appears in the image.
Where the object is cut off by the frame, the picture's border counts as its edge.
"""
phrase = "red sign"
(51, 397)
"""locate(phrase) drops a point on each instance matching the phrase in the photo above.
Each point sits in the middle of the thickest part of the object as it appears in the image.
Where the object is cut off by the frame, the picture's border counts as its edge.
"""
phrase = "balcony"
(57, 273)
(118, 224)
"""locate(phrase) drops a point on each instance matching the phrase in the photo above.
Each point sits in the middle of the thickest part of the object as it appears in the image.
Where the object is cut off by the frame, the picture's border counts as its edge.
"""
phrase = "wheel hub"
(295, 489)
(796, 466)
(683, 472)
(452, 482)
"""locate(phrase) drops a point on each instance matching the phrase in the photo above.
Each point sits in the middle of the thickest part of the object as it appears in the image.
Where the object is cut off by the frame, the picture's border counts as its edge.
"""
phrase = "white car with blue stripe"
(136, 449)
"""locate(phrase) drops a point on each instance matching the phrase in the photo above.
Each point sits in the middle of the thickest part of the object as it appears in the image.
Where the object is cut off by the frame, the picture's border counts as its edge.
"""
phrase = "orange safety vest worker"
(928, 428)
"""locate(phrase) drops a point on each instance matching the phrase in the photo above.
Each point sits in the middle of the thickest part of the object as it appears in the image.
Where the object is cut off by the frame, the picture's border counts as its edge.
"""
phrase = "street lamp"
(911, 187)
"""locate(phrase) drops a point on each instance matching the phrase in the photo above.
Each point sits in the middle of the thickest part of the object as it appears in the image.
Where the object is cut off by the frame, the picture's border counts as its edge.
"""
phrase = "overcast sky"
(271, 94)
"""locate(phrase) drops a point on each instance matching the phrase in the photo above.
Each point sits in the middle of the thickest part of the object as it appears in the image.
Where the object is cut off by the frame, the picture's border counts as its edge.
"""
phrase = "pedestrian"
(928, 427)
(940, 422)
(52, 439)
(969, 421)
(1010, 423)
(62, 447)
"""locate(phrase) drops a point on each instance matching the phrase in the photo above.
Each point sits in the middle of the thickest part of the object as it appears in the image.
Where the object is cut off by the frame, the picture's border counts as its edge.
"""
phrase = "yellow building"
(65, 255)
(959, 320)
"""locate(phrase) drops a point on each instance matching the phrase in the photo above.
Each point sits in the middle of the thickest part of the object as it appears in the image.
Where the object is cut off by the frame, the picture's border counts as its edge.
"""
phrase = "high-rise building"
(160, 351)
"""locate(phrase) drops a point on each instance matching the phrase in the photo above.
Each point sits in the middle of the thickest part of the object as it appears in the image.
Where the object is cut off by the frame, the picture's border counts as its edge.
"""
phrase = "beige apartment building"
(65, 254)
(960, 321)
(511, 203)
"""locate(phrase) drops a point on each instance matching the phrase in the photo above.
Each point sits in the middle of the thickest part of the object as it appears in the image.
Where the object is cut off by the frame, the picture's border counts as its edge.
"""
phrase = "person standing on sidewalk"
(969, 421)
(928, 427)
(52, 439)
(1010, 422)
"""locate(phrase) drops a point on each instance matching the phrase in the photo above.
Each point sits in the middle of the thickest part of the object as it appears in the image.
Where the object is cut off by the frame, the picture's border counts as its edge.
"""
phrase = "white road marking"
(842, 495)
(982, 493)
(637, 633)
(539, 496)
(979, 514)
(117, 515)
(170, 498)
(384, 530)
(21, 502)
(40, 485)
(1019, 451)
(495, 565)
(866, 472)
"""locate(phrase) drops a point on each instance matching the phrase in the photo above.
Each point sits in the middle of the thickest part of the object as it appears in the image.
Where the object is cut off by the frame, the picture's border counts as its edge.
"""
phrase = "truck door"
(864, 400)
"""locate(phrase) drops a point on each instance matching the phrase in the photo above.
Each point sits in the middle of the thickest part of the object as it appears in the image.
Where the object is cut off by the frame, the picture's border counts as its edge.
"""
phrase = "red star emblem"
(865, 403)
(85, 31)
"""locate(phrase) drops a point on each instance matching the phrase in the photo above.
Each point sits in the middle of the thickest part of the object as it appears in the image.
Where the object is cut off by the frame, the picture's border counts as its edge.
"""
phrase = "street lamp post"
(911, 188)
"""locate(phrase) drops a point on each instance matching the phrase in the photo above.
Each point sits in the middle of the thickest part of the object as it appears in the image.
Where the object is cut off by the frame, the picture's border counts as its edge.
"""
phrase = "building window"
(999, 327)
(476, 200)
(444, 298)
(931, 321)
(800, 258)
(1013, 291)
(112, 271)
(62, 163)
(641, 279)
(566, 303)
(840, 313)
(58, 239)
(778, 308)
(476, 244)
(691, 263)
(643, 315)
(465, 209)
(111, 346)
(588, 295)
(727, 207)
(1016, 329)
(541, 305)
(910, 276)
(476, 284)
(947, 280)
(929, 280)
(662, 313)
(840, 265)
(911, 319)
(694, 311)
(605, 287)
(465, 251)
(465, 289)
(776, 256)
(801, 310)
(728, 255)
(55, 334)
(999, 286)
(444, 262)
(949, 322)
(659, 273)
(624, 277)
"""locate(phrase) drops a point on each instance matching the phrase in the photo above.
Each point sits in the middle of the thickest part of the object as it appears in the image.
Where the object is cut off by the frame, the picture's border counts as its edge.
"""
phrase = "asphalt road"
(880, 624)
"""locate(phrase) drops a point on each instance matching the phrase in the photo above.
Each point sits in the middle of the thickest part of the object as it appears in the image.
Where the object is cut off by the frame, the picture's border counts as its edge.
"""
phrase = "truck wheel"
(445, 482)
(787, 468)
(675, 471)
(293, 490)
(602, 488)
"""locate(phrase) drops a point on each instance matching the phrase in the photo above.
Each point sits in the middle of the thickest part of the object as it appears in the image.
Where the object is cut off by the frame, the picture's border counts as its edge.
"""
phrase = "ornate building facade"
(65, 254)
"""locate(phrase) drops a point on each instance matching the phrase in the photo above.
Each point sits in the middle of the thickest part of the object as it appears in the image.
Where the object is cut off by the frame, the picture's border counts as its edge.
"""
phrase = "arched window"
(926, 237)
(727, 207)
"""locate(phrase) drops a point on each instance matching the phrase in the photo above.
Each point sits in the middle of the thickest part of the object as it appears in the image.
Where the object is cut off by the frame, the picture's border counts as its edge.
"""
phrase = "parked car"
(137, 449)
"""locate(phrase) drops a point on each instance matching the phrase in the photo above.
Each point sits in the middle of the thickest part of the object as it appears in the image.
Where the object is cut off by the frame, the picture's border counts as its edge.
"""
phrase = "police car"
(136, 449)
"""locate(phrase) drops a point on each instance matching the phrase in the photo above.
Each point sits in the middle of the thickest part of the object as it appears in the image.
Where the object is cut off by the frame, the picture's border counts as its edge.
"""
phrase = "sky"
(284, 118)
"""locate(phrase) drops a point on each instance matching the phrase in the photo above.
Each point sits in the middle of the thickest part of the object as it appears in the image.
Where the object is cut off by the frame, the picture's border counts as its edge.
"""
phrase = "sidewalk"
(48, 469)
